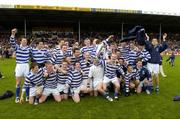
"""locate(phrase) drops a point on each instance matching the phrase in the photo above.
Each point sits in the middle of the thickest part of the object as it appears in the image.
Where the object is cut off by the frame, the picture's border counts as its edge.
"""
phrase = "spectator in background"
(171, 59)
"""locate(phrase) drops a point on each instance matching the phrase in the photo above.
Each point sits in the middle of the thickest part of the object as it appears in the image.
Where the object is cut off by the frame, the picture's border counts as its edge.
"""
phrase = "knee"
(31, 102)
(77, 100)
(58, 100)
(137, 82)
(132, 86)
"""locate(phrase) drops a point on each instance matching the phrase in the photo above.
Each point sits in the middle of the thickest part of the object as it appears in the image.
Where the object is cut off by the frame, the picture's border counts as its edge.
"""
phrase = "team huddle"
(100, 67)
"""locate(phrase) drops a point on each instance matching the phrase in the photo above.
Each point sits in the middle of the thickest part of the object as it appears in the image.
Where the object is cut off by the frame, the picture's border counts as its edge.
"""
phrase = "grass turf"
(154, 106)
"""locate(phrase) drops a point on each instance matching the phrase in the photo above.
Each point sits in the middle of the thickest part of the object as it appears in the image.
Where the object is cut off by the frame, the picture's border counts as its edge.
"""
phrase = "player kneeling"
(74, 81)
(131, 81)
(50, 85)
(144, 77)
(110, 75)
(34, 82)
(62, 75)
(96, 73)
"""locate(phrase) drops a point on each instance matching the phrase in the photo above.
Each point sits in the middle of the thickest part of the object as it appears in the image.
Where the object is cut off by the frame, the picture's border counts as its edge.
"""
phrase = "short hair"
(76, 63)
(64, 60)
(22, 37)
(121, 59)
(129, 65)
(38, 41)
(113, 43)
(75, 49)
(138, 60)
(48, 62)
(63, 45)
(33, 65)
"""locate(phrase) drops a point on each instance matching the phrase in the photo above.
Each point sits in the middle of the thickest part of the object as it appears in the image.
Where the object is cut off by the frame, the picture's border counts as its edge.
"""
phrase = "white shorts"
(153, 68)
(33, 91)
(75, 90)
(95, 84)
(62, 88)
(21, 70)
(108, 80)
(48, 91)
(84, 83)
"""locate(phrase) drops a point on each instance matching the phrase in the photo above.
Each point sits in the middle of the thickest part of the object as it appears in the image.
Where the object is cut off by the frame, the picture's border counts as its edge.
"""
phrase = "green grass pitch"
(143, 106)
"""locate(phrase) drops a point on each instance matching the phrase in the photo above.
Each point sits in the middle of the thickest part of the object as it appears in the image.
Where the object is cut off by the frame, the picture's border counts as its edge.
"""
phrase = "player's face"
(64, 65)
(49, 67)
(95, 62)
(139, 64)
(131, 45)
(87, 56)
(68, 59)
(41, 45)
(118, 54)
(24, 42)
(112, 46)
(67, 43)
(123, 44)
(36, 69)
(77, 66)
(130, 69)
(121, 61)
(113, 57)
(154, 41)
(87, 42)
(77, 53)
(141, 47)
(61, 42)
(64, 48)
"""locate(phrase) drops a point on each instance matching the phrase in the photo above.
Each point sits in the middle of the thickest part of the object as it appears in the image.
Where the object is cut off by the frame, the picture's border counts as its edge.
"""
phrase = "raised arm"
(148, 45)
(164, 45)
(103, 44)
(13, 40)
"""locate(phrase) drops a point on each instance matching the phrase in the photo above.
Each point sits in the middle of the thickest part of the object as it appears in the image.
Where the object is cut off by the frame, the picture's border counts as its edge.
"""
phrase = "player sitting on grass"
(144, 77)
(34, 80)
(131, 82)
(96, 74)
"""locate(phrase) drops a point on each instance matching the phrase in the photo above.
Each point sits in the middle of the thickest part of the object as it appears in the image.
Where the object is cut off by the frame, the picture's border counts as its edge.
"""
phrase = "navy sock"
(105, 94)
(27, 91)
(116, 94)
(17, 91)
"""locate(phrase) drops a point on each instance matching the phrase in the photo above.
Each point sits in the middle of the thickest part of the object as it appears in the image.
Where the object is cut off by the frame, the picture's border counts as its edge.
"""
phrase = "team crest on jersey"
(157, 49)
(143, 72)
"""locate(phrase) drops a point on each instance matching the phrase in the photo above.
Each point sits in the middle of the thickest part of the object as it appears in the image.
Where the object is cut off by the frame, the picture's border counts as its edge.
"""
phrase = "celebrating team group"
(102, 67)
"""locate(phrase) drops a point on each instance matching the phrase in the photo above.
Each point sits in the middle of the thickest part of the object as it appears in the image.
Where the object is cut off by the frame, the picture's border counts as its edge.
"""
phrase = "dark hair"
(138, 60)
(129, 65)
(48, 62)
(38, 41)
(76, 63)
(121, 59)
(22, 37)
(63, 45)
(33, 65)
(75, 49)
